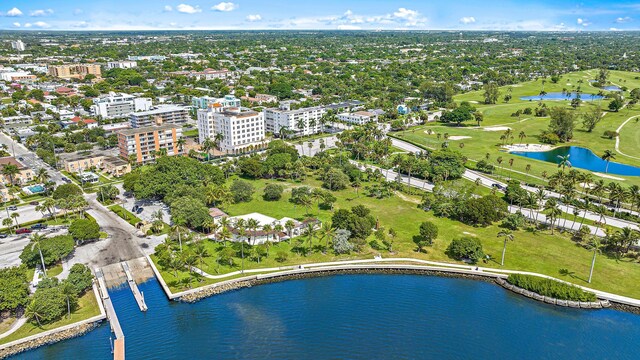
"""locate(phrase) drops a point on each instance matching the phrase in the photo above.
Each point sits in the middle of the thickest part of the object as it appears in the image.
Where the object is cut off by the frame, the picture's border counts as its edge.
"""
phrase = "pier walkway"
(139, 296)
(118, 344)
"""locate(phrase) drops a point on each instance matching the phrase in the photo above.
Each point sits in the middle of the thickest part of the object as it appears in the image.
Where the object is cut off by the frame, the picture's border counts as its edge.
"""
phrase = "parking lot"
(149, 207)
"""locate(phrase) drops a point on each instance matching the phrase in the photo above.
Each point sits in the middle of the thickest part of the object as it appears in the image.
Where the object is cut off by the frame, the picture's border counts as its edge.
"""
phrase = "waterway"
(581, 158)
(357, 317)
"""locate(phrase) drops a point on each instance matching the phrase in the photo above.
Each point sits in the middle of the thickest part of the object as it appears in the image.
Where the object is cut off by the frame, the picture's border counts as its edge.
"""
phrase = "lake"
(581, 158)
(357, 317)
(561, 96)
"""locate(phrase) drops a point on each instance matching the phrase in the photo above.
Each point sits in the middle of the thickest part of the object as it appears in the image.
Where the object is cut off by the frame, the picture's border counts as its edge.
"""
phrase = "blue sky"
(544, 15)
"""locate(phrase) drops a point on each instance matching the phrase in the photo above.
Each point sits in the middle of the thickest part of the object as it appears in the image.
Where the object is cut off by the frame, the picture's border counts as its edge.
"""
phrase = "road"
(12, 246)
(28, 158)
(488, 182)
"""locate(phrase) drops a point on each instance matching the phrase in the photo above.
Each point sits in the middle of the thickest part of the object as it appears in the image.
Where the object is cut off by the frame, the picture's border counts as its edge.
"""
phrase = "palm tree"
(8, 223)
(252, 224)
(35, 310)
(225, 235)
(508, 236)
(15, 217)
(36, 239)
(522, 136)
(510, 167)
(595, 245)
(564, 161)
(608, 156)
(68, 291)
(181, 142)
(278, 228)
(178, 228)
(175, 264)
(207, 146)
(327, 232)
(289, 225)
(310, 233)
(42, 175)
(10, 171)
(268, 230)
(554, 212)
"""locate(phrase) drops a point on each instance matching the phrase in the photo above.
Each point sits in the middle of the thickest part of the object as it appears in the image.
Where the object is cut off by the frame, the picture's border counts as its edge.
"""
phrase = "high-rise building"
(144, 143)
(241, 129)
(163, 114)
(300, 122)
(75, 71)
(119, 105)
(18, 45)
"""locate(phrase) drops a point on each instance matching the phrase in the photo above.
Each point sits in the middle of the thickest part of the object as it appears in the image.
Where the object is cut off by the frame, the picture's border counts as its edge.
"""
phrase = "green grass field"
(556, 255)
(87, 308)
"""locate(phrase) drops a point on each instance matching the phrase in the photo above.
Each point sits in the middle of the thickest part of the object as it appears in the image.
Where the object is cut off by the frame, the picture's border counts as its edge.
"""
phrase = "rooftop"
(160, 110)
(147, 129)
(11, 160)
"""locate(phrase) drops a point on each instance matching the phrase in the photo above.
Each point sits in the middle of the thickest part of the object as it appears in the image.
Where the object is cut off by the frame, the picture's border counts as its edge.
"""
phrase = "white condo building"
(240, 128)
(18, 45)
(163, 114)
(119, 105)
(127, 64)
(304, 121)
(204, 102)
(358, 117)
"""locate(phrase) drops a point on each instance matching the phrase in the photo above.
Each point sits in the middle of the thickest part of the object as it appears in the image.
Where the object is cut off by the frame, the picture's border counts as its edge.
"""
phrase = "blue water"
(561, 96)
(611, 88)
(581, 158)
(358, 317)
(36, 189)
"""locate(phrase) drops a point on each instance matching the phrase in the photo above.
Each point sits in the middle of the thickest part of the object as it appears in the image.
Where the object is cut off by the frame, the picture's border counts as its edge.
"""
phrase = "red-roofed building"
(63, 90)
(90, 123)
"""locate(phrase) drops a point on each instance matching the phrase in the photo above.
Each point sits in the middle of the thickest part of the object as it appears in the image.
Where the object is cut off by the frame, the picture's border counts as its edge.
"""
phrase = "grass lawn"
(54, 270)
(190, 133)
(87, 308)
(5, 324)
(556, 255)
(125, 214)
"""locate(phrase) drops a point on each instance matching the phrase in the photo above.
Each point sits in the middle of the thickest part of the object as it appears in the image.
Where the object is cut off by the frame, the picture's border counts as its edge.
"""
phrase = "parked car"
(139, 210)
(23, 231)
(135, 208)
(3, 236)
(498, 186)
(34, 203)
(66, 179)
(13, 208)
(38, 226)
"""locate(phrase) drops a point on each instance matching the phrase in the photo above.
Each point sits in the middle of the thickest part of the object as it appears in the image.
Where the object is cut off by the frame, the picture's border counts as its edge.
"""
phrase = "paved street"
(28, 158)
(12, 246)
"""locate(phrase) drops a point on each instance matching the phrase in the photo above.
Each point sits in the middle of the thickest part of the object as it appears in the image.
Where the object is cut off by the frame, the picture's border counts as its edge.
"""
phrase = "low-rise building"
(22, 176)
(358, 117)
(18, 45)
(88, 178)
(259, 236)
(16, 120)
(205, 102)
(299, 122)
(89, 123)
(142, 144)
(80, 163)
(163, 114)
(117, 105)
(127, 64)
(260, 99)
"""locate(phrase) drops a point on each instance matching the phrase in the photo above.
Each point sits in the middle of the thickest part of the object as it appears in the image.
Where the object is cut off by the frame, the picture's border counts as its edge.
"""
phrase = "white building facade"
(358, 117)
(119, 105)
(127, 64)
(18, 45)
(241, 129)
(304, 121)
(164, 114)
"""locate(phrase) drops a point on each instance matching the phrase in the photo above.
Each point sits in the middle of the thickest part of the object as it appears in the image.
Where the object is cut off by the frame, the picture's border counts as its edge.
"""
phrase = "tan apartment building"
(143, 143)
(23, 176)
(75, 71)
(111, 165)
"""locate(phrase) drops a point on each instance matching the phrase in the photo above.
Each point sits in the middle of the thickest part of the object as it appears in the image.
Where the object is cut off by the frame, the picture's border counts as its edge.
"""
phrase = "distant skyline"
(506, 15)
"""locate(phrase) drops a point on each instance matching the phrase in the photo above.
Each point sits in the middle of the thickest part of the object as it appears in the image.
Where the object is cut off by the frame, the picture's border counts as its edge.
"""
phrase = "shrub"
(549, 138)
(282, 256)
(514, 221)
(610, 134)
(428, 233)
(466, 248)
(273, 192)
(84, 229)
(550, 288)
(242, 191)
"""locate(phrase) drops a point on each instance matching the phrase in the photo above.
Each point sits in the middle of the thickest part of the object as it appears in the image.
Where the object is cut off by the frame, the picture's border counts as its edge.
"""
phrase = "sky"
(505, 15)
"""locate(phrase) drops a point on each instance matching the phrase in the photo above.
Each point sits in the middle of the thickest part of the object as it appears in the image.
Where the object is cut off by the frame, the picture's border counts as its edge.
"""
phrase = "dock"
(139, 296)
(118, 344)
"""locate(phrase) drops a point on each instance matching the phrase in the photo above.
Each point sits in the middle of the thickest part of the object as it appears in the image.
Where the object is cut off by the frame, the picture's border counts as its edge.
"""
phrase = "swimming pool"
(36, 189)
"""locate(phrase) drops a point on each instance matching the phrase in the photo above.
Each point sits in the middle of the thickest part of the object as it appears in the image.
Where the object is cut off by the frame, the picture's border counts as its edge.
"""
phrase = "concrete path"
(14, 327)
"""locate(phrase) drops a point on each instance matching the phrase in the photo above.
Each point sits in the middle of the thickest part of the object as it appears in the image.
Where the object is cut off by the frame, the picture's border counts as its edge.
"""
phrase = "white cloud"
(467, 20)
(16, 24)
(168, 8)
(41, 24)
(14, 12)
(41, 12)
(614, 29)
(622, 20)
(583, 22)
(188, 9)
(224, 6)
(411, 17)
(349, 27)
(77, 11)
(255, 17)
(27, 25)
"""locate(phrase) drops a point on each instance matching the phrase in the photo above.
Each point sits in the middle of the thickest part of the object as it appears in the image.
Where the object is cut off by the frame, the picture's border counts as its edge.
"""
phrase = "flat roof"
(147, 129)
(160, 110)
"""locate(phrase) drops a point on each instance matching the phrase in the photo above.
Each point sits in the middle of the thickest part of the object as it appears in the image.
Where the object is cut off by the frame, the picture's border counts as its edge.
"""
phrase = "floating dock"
(139, 296)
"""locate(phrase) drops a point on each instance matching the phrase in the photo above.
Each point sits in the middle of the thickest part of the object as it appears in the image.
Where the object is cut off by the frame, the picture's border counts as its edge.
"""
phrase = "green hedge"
(550, 288)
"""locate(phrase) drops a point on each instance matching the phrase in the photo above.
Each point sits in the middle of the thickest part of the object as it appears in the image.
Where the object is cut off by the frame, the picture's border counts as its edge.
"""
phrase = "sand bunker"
(528, 147)
(608, 176)
(459, 137)
(497, 128)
